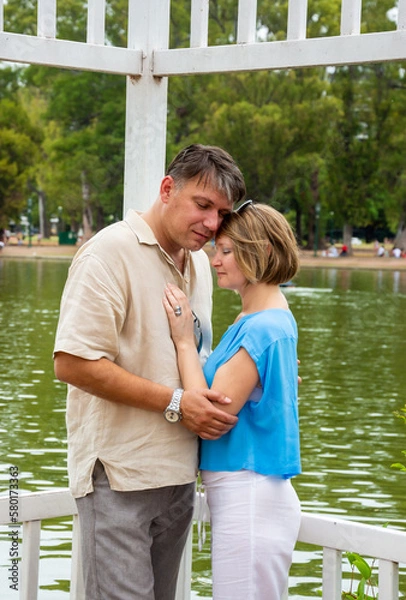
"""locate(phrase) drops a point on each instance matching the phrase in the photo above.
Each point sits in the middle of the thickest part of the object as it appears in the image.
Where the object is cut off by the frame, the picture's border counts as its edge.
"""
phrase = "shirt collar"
(145, 235)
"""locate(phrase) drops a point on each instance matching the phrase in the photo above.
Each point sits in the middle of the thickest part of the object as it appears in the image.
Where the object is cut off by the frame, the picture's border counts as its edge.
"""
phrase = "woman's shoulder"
(271, 324)
(272, 317)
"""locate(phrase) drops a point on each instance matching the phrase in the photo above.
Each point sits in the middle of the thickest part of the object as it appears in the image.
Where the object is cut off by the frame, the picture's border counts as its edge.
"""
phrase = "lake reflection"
(352, 334)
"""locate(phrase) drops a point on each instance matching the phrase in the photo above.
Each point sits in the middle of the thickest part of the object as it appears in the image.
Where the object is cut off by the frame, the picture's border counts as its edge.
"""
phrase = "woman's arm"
(236, 378)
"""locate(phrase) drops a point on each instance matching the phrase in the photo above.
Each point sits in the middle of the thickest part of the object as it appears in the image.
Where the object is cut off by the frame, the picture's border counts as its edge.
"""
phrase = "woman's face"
(229, 275)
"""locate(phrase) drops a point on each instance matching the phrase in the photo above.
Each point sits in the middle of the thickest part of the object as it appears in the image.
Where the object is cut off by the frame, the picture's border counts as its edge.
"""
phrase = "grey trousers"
(132, 542)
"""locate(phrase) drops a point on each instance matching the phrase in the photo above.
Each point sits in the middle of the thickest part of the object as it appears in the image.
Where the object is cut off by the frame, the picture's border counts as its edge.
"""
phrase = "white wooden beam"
(146, 106)
(343, 535)
(247, 21)
(351, 17)
(36, 506)
(401, 14)
(1, 15)
(199, 23)
(96, 20)
(69, 55)
(355, 49)
(297, 20)
(46, 18)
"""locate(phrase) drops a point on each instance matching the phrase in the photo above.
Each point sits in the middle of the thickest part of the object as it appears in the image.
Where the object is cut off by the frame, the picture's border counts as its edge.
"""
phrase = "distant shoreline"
(360, 259)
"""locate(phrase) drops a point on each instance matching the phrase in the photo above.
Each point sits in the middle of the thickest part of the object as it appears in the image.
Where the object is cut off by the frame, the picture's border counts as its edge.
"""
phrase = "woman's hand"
(180, 316)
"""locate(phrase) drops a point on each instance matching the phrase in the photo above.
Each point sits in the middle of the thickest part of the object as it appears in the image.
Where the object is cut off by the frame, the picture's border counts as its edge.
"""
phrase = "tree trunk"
(43, 221)
(347, 237)
(99, 218)
(400, 238)
(87, 209)
(313, 242)
(311, 220)
(298, 225)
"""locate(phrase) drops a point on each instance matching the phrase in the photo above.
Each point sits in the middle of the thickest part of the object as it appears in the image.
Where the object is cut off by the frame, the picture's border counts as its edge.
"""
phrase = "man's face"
(193, 213)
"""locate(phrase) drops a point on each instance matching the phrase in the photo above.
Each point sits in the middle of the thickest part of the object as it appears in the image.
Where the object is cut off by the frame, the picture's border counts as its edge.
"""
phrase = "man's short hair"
(209, 165)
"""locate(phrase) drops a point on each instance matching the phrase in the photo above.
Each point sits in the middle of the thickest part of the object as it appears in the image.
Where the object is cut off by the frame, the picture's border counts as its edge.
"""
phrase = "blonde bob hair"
(264, 245)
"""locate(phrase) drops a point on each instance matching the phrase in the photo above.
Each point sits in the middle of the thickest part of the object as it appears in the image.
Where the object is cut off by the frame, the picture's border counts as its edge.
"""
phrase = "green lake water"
(352, 347)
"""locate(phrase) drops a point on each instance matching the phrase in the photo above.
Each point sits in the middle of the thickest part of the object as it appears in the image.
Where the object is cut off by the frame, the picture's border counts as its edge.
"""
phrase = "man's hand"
(200, 416)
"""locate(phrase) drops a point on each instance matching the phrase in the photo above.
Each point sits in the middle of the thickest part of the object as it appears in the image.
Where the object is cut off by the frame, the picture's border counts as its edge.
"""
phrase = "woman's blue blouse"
(266, 437)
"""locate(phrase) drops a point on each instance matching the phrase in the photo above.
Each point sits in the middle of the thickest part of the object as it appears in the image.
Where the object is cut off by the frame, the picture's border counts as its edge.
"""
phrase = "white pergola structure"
(148, 62)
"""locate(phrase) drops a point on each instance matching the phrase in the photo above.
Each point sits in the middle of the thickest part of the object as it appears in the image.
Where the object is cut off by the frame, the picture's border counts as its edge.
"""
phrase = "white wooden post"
(297, 19)
(1, 15)
(46, 18)
(331, 574)
(199, 24)
(402, 14)
(351, 17)
(247, 21)
(184, 587)
(145, 142)
(388, 580)
(77, 590)
(96, 18)
(30, 560)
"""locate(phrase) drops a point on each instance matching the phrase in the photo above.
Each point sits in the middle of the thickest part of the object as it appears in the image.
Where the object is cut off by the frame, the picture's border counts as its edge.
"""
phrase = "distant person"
(381, 251)
(396, 252)
(332, 251)
(2, 238)
(344, 250)
(254, 509)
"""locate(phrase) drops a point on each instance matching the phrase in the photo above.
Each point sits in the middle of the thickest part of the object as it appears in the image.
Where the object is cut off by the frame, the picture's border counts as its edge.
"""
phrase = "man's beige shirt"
(112, 308)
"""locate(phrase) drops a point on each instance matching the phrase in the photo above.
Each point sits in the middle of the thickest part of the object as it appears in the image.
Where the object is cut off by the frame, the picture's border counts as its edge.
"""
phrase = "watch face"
(172, 416)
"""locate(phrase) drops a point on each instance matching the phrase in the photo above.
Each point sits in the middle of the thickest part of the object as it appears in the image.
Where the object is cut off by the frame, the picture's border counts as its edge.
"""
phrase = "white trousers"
(255, 522)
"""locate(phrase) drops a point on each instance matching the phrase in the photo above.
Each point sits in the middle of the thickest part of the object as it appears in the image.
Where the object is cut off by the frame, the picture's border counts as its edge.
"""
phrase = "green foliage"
(361, 571)
(9, 82)
(19, 142)
(83, 117)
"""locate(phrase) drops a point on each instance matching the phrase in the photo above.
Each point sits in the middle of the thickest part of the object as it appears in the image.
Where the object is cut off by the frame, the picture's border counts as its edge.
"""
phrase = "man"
(132, 445)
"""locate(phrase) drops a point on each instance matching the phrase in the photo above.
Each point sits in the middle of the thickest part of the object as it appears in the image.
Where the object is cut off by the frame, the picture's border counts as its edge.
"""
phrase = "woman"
(255, 513)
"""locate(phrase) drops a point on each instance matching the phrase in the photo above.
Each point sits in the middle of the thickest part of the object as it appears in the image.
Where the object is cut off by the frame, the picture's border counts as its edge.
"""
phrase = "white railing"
(334, 536)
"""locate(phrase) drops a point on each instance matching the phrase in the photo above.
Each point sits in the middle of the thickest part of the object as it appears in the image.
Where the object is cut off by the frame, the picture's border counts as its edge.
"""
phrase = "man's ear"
(166, 189)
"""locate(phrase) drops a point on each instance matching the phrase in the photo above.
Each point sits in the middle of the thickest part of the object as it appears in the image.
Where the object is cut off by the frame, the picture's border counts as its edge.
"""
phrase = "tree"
(19, 143)
(85, 112)
(360, 189)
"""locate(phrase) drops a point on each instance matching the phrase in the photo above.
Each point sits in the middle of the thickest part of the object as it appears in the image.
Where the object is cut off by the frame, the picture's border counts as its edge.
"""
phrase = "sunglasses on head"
(243, 206)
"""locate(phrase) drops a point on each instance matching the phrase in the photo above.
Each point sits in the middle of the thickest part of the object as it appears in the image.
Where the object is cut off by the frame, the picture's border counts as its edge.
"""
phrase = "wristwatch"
(172, 412)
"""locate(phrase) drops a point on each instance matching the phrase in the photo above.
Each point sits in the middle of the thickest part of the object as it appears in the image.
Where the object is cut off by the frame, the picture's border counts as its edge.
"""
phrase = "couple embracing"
(134, 346)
